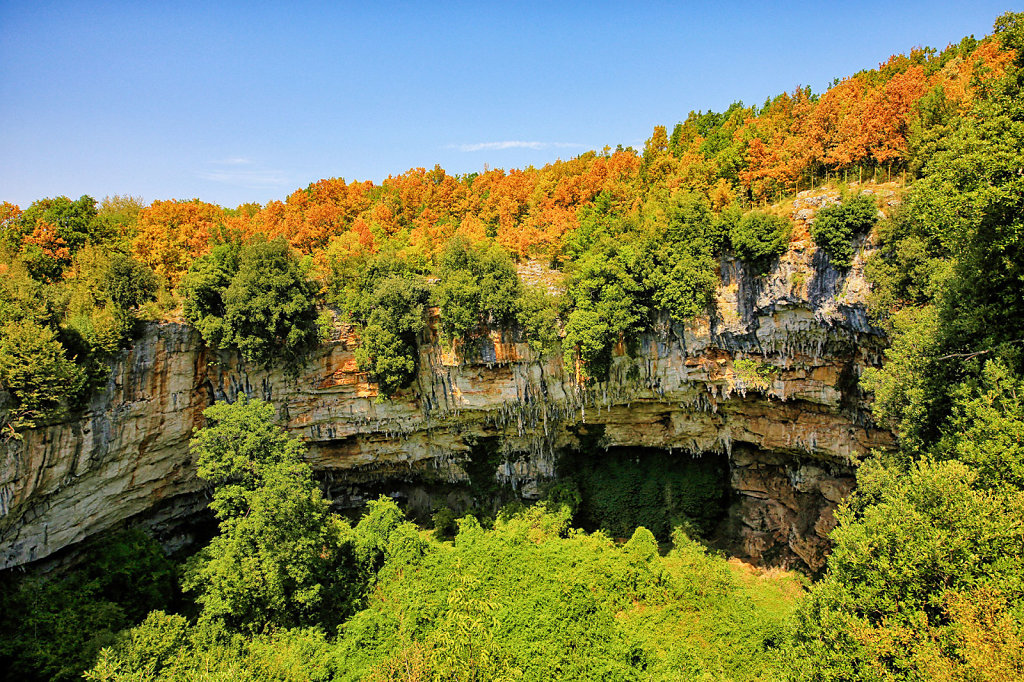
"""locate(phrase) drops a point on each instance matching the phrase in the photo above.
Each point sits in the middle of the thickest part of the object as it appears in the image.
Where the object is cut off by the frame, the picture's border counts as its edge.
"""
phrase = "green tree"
(36, 372)
(674, 254)
(270, 305)
(52, 230)
(759, 237)
(538, 317)
(129, 283)
(985, 428)
(387, 356)
(256, 298)
(948, 274)
(202, 291)
(116, 218)
(281, 558)
(388, 341)
(608, 304)
(75, 220)
(835, 227)
(22, 297)
(477, 285)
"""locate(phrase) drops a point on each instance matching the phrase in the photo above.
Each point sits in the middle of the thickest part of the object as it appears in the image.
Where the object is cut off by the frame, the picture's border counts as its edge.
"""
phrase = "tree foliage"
(836, 226)
(281, 558)
(758, 237)
(923, 583)
(921, 543)
(477, 285)
(390, 302)
(53, 626)
(255, 298)
(526, 600)
(538, 318)
(35, 372)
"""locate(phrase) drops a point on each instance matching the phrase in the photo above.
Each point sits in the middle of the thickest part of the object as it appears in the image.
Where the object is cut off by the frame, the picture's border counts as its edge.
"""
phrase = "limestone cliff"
(791, 442)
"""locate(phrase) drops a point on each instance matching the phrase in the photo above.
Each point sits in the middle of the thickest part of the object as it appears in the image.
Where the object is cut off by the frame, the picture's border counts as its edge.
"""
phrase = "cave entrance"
(621, 488)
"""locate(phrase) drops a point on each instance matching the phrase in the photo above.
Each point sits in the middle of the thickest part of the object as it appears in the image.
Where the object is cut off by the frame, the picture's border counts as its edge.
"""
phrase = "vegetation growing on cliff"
(924, 581)
(640, 233)
(836, 226)
(253, 297)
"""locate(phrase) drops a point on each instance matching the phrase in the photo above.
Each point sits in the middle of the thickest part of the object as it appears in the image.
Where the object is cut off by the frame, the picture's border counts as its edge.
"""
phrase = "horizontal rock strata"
(791, 440)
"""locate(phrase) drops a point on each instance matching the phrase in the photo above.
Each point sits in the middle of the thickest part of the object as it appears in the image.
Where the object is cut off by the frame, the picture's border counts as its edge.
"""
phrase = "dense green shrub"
(257, 299)
(759, 237)
(528, 601)
(477, 285)
(52, 627)
(835, 227)
(36, 372)
(444, 523)
(167, 647)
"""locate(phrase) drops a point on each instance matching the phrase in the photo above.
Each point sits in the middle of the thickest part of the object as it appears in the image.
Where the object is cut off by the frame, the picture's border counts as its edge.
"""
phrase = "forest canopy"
(640, 233)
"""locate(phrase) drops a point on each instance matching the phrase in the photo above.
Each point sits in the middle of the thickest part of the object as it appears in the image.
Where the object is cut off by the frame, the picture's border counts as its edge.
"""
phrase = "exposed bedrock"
(791, 442)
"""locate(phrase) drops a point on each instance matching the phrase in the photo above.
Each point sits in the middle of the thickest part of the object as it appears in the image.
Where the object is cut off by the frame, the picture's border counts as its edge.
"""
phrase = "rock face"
(792, 432)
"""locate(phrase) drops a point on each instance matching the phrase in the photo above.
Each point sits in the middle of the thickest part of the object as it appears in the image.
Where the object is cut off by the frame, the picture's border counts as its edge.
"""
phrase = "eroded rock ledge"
(791, 446)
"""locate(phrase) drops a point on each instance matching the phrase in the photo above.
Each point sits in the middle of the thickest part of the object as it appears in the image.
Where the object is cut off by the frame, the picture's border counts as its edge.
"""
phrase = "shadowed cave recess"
(770, 509)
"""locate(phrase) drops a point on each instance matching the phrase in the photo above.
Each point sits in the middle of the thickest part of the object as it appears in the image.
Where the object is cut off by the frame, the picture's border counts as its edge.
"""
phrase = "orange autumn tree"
(888, 114)
(8, 214)
(171, 234)
(562, 188)
(781, 149)
(311, 217)
(46, 252)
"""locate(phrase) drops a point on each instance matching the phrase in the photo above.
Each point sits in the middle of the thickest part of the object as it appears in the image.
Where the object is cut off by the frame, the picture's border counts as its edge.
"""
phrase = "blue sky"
(236, 102)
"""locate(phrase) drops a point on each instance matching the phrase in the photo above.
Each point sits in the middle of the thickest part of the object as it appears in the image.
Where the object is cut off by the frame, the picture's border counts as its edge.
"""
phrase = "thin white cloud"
(243, 172)
(512, 144)
(234, 161)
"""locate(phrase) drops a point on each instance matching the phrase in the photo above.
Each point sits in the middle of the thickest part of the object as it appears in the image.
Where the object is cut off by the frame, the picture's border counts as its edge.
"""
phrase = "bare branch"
(968, 356)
